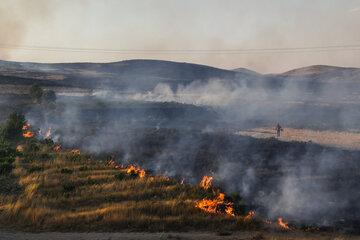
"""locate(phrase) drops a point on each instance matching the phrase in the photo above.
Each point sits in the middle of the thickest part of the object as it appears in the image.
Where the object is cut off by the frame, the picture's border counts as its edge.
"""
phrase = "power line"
(311, 49)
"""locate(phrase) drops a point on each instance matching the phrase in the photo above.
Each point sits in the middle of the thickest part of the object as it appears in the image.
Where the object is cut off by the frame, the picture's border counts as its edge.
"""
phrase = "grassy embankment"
(65, 191)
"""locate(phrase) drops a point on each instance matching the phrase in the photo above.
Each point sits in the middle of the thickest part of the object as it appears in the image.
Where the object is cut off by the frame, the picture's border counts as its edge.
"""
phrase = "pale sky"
(182, 25)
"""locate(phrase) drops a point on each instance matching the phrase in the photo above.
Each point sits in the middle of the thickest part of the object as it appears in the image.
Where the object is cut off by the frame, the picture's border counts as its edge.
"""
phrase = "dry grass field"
(66, 191)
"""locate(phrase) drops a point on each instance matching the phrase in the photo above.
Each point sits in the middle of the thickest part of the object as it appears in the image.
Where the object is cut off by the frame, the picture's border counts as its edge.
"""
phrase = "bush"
(36, 92)
(32, 146)
(12, 130)
(68, 187)
(66, 194)
(7, 156)
(66, 171)
(49, 96)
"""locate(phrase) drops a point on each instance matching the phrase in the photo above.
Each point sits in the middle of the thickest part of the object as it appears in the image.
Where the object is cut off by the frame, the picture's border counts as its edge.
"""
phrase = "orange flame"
(57, 148)
(283, 224)
(250, 215)
(182, 181)
(48, 133)
(213, 206)
(76, 151)
(26, 126)
(206, 182)
(136, 170)
(142, 173)
(28, 134)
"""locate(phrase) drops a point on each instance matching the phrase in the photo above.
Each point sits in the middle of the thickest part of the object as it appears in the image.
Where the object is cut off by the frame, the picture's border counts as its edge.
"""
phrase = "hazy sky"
(182, 25)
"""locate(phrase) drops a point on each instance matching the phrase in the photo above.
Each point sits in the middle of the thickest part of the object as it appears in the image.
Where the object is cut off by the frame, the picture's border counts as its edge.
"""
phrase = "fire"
(217, 205)
(48, 133)
(28, 134)
(250, 215)
(214, 206)
(206, 182)
(182, 181)
(111, 162)
(142, 173)
(26, 126)
(136, 170)
(283, 224)
(57, 148)
(76, 151)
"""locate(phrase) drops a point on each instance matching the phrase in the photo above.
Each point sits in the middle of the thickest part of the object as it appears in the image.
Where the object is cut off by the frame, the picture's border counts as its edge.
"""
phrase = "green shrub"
(66, 194)
(32, 146)
(12, 130)
(66, 171)
(68, 187)
(7, 156)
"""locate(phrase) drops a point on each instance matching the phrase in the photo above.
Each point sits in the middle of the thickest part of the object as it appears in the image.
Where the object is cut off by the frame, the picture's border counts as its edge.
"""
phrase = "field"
(66, 191)
(336, 139)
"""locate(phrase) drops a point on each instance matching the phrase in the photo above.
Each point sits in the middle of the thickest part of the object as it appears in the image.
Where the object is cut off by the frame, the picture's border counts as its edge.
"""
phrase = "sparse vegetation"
(57, 200)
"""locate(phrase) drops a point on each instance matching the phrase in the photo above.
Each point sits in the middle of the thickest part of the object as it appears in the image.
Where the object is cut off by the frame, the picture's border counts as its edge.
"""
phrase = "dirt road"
(345, 140)
(289, 235)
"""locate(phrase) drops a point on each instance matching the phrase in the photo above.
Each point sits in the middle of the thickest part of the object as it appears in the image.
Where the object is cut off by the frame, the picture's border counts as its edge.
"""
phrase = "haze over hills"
(144, 75)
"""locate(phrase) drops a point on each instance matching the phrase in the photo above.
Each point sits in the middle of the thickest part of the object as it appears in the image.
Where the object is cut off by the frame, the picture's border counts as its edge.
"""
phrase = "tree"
(36, 92)
(7, 156)
(49, 96)
(13, 126)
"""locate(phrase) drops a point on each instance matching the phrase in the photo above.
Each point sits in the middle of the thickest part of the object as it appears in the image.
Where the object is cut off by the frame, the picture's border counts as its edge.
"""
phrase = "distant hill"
(124, 75)
(324, 73)
(245, 70)
(318, 69)
(144, 75)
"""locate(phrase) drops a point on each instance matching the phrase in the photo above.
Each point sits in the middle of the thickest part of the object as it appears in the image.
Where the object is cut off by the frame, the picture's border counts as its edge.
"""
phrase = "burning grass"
(64, 193)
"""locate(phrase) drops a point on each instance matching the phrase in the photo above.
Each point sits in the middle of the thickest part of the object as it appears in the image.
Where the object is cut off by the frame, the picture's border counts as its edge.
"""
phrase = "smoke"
(18, 16)
(185, 131)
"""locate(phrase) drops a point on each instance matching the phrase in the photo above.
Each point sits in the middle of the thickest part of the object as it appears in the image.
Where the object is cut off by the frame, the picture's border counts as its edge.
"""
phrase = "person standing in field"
(278, 129)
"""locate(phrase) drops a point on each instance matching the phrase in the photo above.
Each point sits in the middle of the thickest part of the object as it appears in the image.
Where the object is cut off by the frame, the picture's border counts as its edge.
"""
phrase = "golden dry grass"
(93, 199)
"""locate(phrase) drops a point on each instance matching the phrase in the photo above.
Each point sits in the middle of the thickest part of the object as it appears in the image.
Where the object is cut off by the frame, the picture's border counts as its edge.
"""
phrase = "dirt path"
(343, 140)
(290, 235)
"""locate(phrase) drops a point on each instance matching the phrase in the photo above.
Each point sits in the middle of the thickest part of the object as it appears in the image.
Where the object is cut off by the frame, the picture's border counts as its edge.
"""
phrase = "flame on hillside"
(48, 133)
(250, 215)
(283, 224)
(136, 170)
(216, 205)
(112, 162)
(29, 134)
(206, 182)
(57, 147)
(26, 126)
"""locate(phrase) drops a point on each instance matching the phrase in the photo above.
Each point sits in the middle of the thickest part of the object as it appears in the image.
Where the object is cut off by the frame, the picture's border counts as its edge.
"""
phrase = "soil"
(344, 140)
